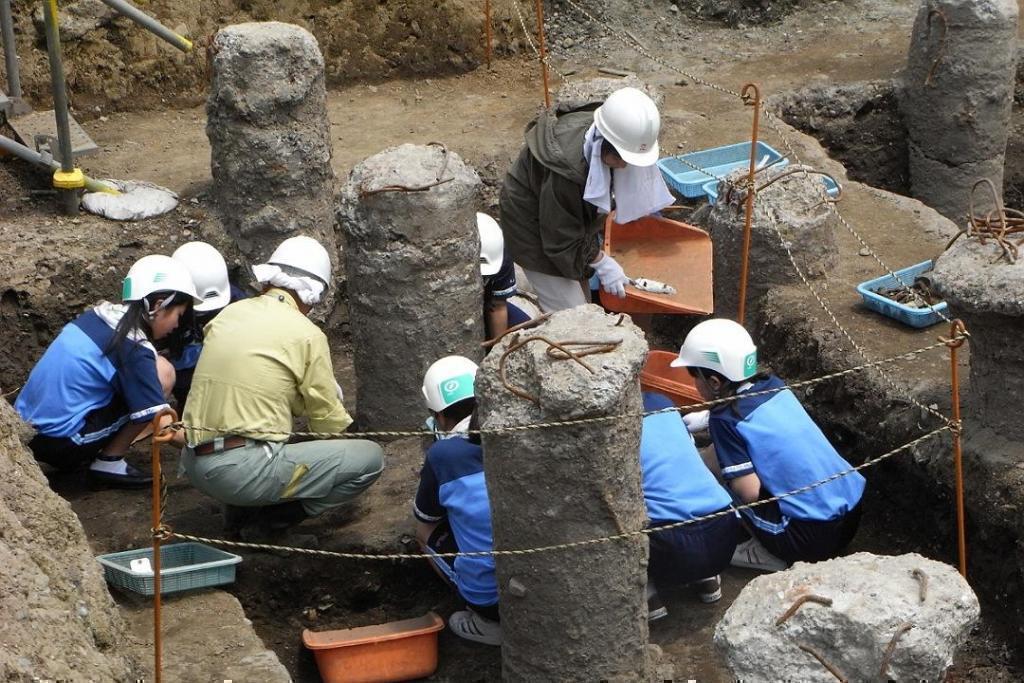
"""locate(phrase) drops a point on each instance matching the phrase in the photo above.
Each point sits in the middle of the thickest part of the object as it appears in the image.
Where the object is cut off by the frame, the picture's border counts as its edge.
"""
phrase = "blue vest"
(787, 451)
(677, 484)
(459, 468)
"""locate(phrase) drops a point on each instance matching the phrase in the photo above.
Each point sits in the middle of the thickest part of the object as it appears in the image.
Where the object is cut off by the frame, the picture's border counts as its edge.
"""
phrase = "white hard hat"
(721, 345)
(209, 273)
(448, 381)
(157, 273)
(305, 254)
(629, 120)
(492, 244)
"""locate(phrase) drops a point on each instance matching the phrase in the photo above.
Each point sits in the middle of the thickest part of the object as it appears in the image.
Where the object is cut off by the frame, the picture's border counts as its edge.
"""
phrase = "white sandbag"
(138, 200)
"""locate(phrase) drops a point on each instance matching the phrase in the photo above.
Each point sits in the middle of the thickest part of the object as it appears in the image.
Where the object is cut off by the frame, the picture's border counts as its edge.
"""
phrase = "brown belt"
(229, 442)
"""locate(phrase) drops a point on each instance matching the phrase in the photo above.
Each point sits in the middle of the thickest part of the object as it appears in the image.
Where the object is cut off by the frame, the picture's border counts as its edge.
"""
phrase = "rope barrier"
(904, 356)
(572, 544)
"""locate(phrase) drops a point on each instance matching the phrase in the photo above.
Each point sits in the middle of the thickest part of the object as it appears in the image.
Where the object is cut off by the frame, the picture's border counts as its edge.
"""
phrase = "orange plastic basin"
(396, 651)
(660, 249)
(675, 383)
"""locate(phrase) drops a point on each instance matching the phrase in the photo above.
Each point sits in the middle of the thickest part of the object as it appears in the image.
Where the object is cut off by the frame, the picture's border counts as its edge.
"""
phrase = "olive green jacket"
(548, 226)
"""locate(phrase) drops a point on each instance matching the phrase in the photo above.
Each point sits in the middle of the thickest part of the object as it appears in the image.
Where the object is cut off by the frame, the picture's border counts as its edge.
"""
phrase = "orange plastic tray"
(396, 651)
(668, 251)
(675, 383)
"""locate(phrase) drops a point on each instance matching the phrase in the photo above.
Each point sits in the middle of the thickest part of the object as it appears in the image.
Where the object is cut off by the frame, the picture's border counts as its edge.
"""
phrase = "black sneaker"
(132, 478)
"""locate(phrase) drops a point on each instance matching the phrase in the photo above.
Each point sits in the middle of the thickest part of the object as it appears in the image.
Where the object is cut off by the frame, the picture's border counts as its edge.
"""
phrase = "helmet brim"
(678, 363)
(213, 303)
(642, 159)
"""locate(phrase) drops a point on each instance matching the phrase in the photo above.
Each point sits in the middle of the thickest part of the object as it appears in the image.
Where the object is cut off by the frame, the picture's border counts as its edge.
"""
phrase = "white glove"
(698, 421)
(610, 274)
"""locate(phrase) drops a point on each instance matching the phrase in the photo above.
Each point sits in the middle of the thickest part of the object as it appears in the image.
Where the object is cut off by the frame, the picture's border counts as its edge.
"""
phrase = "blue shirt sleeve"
(502, 285)
(136, 380)
(427, 508)
(730, 448)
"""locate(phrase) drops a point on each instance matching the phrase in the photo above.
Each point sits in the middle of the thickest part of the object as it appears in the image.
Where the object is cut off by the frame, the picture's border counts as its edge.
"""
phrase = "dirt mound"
(113, 64)
(737, 12)
(57, 620)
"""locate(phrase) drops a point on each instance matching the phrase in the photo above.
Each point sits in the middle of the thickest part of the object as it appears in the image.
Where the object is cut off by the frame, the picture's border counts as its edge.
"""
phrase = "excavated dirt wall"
(113, 64)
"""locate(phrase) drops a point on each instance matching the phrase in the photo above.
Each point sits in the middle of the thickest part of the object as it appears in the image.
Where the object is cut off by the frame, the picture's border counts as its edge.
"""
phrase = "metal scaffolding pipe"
(149, 23)
(10, 51)
(60, 102)
(30, 155)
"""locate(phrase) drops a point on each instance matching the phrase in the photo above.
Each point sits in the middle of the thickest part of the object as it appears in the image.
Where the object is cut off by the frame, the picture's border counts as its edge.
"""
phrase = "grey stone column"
(796, 203)
(956, 96)
(413, 266)
(270, 145)
(989, 298)
(580, 614)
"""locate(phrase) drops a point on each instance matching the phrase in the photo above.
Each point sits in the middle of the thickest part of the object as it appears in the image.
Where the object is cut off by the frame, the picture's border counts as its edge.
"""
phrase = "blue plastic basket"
(183, 566)
(908, 315)
(718, 160)
(711, 188)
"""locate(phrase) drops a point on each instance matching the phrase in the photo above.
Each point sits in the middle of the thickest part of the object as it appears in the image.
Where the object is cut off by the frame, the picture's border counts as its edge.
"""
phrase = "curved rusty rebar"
(832, 669)
(942, 43)
(798, 603)
(517, 344)
(891, 648)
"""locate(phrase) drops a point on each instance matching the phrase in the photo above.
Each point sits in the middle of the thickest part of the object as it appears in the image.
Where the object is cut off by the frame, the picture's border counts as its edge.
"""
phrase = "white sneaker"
(471, 626)
(752, 555)
(655, 605)
(709, 590)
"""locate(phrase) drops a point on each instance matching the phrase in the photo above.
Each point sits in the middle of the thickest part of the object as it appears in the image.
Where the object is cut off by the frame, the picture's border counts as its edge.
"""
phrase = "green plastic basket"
(184, 566)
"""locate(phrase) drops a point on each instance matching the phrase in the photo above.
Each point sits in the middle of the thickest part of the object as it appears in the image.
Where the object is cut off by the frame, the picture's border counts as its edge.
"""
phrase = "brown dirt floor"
(480, 115)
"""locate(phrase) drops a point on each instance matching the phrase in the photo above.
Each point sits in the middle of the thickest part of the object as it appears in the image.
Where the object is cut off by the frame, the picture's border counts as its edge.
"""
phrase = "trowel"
(652, 286)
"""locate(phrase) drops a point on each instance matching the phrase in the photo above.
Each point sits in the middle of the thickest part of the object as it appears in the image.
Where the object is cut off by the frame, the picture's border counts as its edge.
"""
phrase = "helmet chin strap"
(151, 312)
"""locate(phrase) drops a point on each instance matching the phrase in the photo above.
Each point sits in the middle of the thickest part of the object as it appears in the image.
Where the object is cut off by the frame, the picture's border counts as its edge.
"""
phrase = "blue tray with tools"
(911, 315)
(680, 174)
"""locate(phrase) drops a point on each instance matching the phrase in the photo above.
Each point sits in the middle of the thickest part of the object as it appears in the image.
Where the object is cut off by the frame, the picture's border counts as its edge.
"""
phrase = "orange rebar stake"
(543, 52)
(487, 31)
(957, 334)
(159, 532)
(749, 211)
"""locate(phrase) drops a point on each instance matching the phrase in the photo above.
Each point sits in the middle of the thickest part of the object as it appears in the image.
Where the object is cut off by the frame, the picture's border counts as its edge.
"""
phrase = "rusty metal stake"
(751, 191)
(891, 648)
(824, 662)
(922, 579)
(159, 437)
(487, 32)
(543, 53)
(798, 603)
(957, 334)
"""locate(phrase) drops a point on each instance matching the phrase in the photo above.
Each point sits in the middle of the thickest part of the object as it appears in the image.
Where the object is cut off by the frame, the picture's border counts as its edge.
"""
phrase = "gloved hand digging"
(610, 274)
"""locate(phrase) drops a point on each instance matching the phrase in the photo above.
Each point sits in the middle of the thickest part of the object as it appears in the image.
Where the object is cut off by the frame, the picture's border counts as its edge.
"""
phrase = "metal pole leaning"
(957, 335)
(32, 156)
(68, 179)
(159, 532)
(149, 23)
(487, 31)
(539, 4)
(10, 51)
(751, 191)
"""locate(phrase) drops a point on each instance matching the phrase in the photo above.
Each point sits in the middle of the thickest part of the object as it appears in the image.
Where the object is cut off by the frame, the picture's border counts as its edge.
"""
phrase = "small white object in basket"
(141, 566)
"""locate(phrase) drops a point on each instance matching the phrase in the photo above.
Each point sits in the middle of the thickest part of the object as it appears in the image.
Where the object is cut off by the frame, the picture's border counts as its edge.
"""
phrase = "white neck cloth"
(639, 190)
(308, 289)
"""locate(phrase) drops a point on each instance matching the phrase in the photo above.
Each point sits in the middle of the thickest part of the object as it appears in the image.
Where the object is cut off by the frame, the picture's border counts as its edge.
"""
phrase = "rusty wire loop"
(942, 42)
(563, 347)
(798, 603)
(891, 648)
(533, 322)
(996, 224)
(586, 348)
(958, 334)
(438, 179)
(922, 580)
(832, 669)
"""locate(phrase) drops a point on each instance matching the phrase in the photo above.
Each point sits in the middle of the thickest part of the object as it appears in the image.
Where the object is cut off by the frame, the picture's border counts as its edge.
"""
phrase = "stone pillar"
(413, 265)
(805, 221)
(581, 614)
(989, 298)
(270, 145)
(956, 96)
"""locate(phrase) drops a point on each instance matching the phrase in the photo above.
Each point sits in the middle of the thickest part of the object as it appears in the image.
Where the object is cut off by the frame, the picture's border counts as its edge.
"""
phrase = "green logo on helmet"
(126, 289)
(455, 389)
(750, 364)
(159, 277)
(711, 356)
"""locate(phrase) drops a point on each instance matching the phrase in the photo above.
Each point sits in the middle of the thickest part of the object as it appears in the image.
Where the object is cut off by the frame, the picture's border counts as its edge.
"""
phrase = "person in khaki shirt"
(263, 362)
